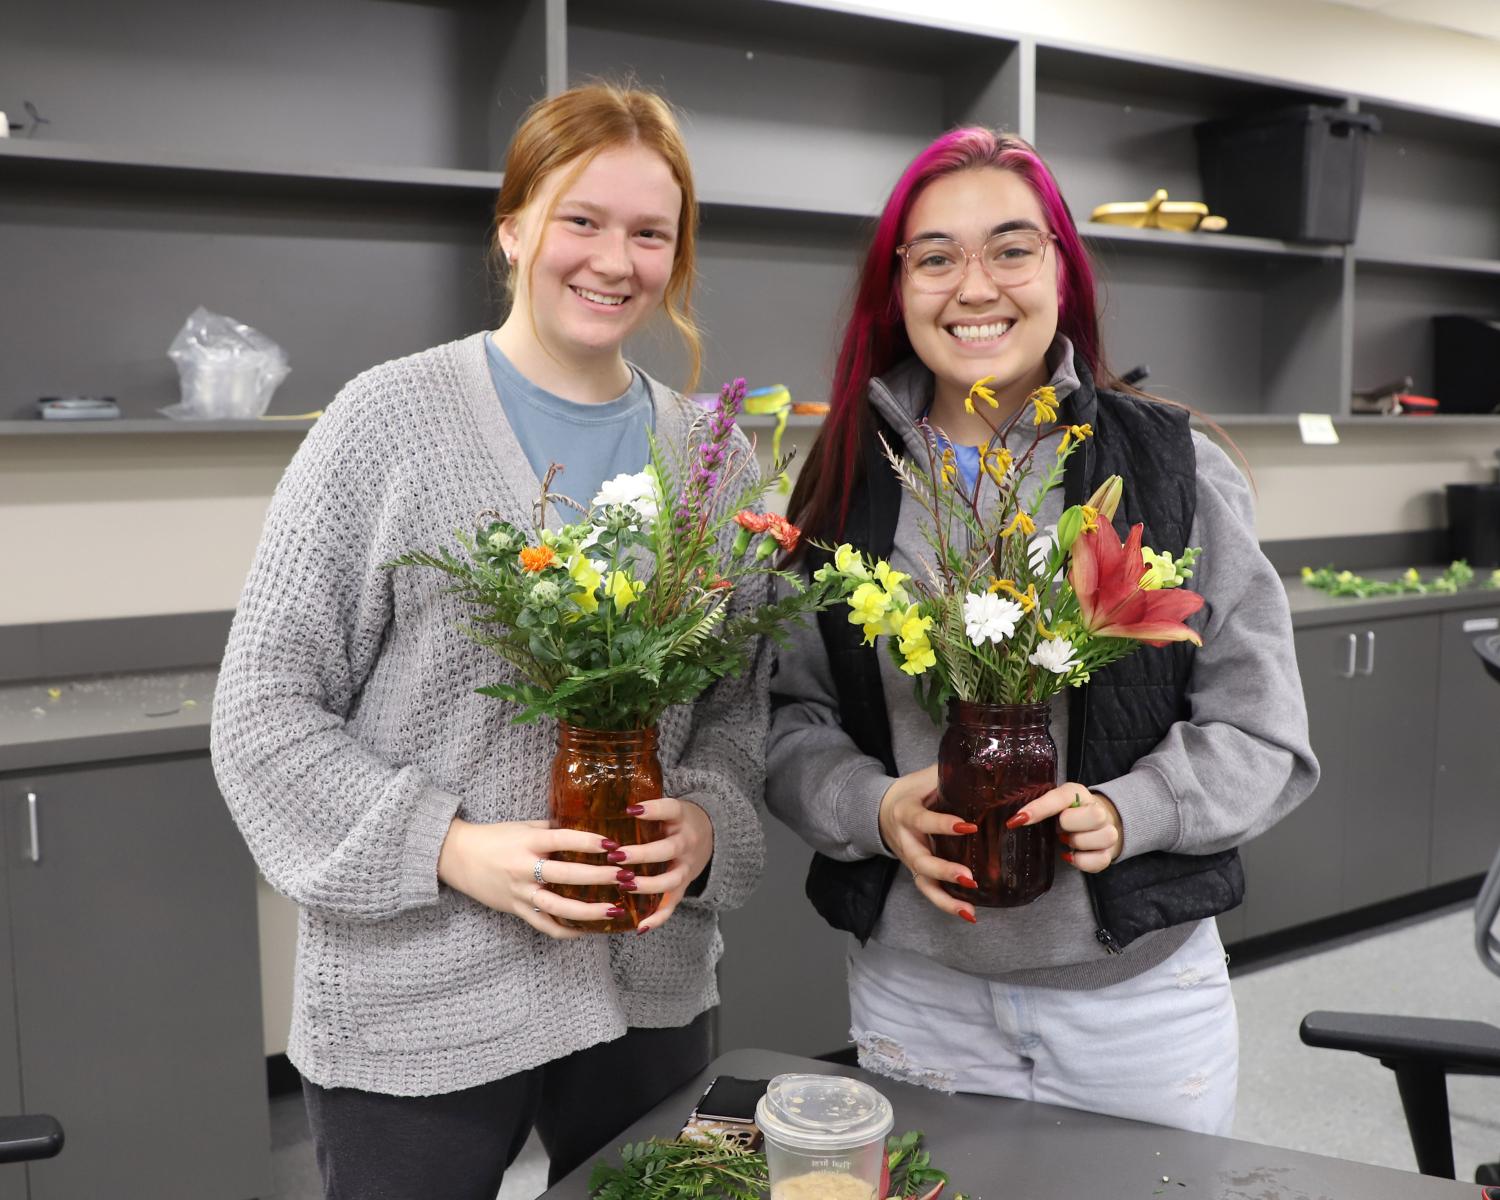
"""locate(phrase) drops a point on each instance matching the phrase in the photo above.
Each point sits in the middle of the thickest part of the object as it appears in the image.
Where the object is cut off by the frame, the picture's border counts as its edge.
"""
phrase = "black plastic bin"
(1295, 174)
(1466, 363)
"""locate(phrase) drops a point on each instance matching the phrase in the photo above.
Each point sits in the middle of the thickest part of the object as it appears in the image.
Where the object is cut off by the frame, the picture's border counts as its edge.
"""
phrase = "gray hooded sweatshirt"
(1240, 763)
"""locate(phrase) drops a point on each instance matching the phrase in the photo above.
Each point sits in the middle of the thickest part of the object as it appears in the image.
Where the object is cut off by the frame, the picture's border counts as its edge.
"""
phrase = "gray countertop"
(54, 723)
(59, 723)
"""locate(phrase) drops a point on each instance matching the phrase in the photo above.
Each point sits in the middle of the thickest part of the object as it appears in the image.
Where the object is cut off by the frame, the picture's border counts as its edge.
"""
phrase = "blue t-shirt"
(592, 442)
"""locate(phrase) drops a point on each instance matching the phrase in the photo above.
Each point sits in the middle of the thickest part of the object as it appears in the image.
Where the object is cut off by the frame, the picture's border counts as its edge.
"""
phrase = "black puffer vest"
(1114, 720)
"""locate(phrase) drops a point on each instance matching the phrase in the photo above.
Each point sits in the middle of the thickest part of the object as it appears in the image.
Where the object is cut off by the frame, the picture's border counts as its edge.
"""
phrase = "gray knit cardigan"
(347, 735)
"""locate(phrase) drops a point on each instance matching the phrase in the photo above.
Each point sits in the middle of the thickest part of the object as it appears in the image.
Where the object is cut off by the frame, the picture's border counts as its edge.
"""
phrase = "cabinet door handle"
(34, 852)
(1349, 644)
(1369, 667)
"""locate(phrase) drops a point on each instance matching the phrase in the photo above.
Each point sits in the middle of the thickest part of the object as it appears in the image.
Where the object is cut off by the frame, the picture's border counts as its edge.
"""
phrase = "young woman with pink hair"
(1110, 992)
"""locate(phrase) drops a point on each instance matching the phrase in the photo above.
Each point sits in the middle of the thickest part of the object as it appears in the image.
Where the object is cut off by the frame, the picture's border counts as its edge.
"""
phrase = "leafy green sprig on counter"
(1457, 576)
(711, 1167)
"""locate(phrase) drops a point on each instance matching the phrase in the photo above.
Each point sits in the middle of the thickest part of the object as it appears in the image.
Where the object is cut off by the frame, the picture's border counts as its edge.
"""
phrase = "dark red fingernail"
(965, 881)
(966, 827)
(1021, 818)
(609, 844)
(616, 856)
(968, 916)
(626, 885)
(1067, 856)
(614, 910)
(625, 875)
(636, 810)
(642, 930)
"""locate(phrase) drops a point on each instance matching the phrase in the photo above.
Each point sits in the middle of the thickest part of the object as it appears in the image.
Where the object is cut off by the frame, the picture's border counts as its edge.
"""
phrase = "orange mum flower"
(537, 558)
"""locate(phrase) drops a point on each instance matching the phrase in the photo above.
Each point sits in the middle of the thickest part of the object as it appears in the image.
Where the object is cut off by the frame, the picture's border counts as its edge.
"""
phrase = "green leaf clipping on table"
(711, 1167)
(1457, 576)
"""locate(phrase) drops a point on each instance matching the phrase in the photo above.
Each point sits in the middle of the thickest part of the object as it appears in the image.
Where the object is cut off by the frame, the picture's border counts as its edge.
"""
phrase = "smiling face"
(592, 268)
(977, 328)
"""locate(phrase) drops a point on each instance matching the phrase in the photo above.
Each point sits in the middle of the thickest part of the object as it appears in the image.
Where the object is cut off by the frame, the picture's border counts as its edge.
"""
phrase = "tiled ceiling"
(1479, 18)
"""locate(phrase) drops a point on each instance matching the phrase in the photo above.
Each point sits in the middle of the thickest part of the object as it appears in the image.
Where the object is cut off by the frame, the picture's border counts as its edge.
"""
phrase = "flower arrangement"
(614, 618)
(1008, 613)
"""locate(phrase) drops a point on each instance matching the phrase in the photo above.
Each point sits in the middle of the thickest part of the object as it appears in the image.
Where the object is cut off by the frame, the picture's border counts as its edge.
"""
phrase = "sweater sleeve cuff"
(1148, 810)
(859, 810)
(424, 841)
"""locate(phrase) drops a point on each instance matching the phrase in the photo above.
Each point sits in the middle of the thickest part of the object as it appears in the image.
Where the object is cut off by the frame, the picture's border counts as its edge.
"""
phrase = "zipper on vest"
(1102, 934)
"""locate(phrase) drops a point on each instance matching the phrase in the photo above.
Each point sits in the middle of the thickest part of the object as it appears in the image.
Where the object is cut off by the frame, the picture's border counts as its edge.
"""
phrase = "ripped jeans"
(1161, 1047)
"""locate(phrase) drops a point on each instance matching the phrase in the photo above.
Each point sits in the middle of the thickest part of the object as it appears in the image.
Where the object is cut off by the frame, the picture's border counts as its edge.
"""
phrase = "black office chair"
(1424, 1051)
(23, 1139)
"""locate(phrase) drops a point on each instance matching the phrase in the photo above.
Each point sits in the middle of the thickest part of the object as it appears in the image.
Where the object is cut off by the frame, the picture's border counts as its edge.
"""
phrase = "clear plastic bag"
(228, 370)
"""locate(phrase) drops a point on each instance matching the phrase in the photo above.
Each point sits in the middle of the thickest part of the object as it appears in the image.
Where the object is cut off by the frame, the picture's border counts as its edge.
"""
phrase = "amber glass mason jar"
(992, 760)
(596, 775)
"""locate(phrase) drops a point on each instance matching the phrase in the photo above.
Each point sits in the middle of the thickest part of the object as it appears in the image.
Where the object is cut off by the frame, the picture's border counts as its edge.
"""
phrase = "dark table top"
(996, 1149)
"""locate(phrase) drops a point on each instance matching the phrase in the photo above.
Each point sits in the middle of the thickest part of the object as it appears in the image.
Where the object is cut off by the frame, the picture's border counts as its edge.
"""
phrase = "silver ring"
(536, 870)
(535, 892)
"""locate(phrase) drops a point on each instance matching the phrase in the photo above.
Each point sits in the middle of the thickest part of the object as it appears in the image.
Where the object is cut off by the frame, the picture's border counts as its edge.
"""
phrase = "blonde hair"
(570, 130)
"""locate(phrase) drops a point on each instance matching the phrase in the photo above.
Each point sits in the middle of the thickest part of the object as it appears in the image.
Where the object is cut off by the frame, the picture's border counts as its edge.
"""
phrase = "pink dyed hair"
(875, 338)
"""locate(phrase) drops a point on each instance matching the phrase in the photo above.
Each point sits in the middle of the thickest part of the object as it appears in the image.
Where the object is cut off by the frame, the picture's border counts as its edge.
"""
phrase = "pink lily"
(1106, 577)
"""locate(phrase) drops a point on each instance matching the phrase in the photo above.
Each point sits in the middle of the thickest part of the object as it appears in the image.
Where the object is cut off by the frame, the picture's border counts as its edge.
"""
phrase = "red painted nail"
(626, 885)
(968, 916)
(966, 827)
(1021, 818)
(1067, 856)
(614, 910)
(636, 810)
(609, 844)
(642, 930)
(625, 875)
(965, 881)
(616, 856)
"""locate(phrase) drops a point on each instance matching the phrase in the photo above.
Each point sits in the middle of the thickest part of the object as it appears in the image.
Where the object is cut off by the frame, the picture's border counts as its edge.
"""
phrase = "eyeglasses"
(1009, 259)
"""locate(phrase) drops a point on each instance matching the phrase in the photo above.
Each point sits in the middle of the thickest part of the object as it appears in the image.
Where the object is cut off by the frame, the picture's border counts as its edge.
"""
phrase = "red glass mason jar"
(596, 775)
(993, 759)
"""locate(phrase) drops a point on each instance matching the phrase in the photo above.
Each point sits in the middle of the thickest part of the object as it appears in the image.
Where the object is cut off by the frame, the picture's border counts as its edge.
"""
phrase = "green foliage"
(715, 1168)
(1457, 576)
(659, 1170)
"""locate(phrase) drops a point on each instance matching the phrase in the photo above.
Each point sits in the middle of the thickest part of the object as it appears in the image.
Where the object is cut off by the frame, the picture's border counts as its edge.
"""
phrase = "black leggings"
(457, 1145)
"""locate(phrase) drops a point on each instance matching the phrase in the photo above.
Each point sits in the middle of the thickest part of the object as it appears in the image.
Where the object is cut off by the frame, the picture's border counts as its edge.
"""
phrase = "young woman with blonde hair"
(441, 1009)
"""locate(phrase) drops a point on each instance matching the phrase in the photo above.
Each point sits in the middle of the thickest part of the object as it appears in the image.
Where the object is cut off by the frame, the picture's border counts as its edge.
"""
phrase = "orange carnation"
(785, 533)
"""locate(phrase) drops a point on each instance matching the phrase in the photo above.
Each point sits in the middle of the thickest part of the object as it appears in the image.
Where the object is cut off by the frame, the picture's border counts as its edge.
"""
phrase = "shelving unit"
(327, 174)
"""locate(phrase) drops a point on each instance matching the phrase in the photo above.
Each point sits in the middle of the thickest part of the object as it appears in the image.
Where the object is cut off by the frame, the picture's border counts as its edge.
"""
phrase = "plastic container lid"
(822, 1112)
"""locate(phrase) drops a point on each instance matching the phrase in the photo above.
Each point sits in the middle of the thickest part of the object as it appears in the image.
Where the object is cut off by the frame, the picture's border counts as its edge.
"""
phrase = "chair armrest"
(23, 1138)
(1460, 1044)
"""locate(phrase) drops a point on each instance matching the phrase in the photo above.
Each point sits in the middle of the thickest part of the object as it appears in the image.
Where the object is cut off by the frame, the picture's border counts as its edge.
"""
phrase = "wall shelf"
(1424, 263)
(334, 189)
(1205, 243)
(45, 160)
(161, 426)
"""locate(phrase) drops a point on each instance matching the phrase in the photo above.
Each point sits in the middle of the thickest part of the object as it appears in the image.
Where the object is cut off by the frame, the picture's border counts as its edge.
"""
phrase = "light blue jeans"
(1161, 1047)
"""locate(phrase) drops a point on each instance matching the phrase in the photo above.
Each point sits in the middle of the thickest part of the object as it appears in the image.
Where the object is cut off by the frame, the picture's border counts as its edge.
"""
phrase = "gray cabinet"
(1388, 793)
(134, 968)
(1361, 837)
(1466, 773)
(12, 1178)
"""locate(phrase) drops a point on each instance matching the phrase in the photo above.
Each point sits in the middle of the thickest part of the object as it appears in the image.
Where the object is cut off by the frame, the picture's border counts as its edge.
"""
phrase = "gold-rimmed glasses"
(1010, 259)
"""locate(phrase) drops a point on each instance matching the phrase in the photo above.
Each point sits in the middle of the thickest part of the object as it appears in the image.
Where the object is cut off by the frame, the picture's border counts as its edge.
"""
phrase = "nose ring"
(960, 296)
